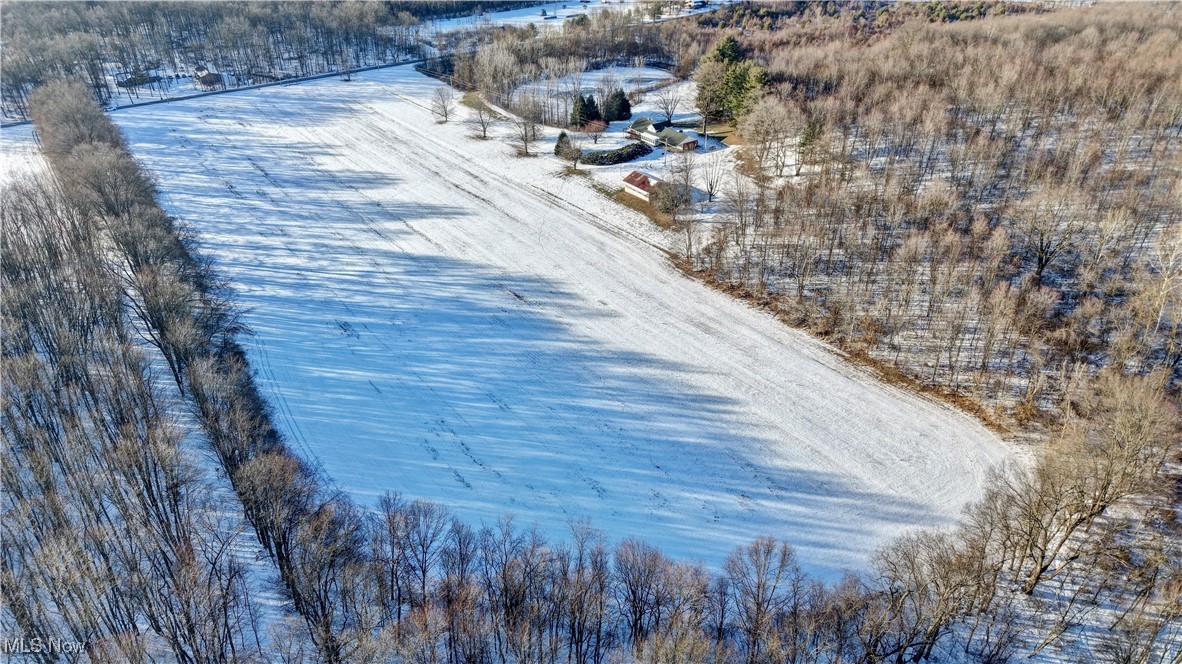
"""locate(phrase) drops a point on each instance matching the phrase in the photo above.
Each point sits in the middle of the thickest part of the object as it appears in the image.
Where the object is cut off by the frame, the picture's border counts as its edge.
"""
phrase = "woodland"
(137, 44)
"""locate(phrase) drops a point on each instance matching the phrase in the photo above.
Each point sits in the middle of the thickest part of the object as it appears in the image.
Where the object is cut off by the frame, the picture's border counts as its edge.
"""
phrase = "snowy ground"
(659, 162)
(179, 82)
(556, 14)
(436, 316)
(597, 81)
(19, 154)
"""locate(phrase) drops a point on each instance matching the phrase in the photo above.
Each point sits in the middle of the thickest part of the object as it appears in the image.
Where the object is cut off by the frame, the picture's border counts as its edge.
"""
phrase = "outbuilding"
(207, 78)
(640, 184)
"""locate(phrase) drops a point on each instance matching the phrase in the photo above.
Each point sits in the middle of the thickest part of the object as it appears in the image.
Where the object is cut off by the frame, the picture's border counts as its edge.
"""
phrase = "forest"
(989, 209)
(983, 204)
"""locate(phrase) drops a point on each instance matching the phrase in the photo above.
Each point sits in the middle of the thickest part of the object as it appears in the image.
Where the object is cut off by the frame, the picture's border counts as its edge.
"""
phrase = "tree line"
(114, 535)
(141, 44)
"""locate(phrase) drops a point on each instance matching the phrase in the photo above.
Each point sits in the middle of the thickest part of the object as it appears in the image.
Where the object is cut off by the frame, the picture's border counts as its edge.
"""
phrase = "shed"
(207, 78)
(640, 184)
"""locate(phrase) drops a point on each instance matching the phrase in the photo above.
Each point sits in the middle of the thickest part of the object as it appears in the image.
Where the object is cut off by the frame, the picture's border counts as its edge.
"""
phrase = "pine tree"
(616, 107)
(610, 108)
(591, 110)
(727, 91)
(809, 147)
(623, 106)
(578, 113)
(747, 82)
(564, 148)
(726, 51)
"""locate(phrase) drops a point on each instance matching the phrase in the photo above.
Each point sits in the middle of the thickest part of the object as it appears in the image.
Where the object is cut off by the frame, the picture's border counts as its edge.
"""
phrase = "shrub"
(617, 156)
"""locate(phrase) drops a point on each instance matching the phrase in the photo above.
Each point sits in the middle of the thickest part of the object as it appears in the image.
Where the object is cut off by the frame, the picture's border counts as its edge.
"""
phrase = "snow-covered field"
(436, 316)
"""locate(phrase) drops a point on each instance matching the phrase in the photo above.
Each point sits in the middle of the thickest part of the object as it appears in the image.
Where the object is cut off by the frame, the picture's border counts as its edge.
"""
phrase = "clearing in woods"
(435, 316)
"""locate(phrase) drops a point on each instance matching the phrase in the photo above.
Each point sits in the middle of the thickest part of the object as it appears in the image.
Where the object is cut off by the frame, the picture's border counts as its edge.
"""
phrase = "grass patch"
(473, 101)
(571, 170)
(647, 209)
(725, 133)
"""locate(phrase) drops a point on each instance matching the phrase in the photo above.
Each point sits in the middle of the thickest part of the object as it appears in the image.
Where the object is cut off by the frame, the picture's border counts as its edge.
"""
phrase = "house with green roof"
(661, 134)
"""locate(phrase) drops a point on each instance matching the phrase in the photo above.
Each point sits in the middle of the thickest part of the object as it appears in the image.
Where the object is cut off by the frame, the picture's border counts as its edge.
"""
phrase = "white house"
(661, 134)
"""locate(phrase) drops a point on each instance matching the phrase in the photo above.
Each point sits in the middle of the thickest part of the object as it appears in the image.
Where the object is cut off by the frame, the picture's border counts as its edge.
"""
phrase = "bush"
(669, 197)
(617, 156)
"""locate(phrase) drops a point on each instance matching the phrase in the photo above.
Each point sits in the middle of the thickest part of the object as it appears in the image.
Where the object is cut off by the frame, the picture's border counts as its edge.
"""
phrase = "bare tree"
(526, 127)
(426, 526)
(764, 131)
(713, 171)
(328, 559)
(668, 100)
(484, 117)
(595, 130)
(924, 587)
(572, 150)
(391, 558)
(1050, 224)
(443, 102)
(609, 82)
(757, 574)
(639, 569)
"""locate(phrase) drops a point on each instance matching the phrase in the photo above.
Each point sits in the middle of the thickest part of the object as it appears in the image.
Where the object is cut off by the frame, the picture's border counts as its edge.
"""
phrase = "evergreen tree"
(726, 51)
(578, 112)
(610, 108)
(809, 147)
(746, 82)
(565, 149)
(590, 110)
(712, 78)
(616, 107)
(624, 111)
(726, 91)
